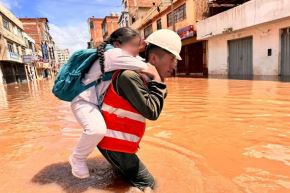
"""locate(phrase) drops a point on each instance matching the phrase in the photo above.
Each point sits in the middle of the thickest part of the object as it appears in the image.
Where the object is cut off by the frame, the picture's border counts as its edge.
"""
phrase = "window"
(159, 25)
(6, 24)
(127, 23)
(17, 50)
(179, 15)
(19, 33)
(104, 28)
(147, 31)
(125, 5)
(91, 24)
(133, 19)
(26, 42)
(10, 47)
(169, 19)
(15, 30)
(23, 51)
(46, 27)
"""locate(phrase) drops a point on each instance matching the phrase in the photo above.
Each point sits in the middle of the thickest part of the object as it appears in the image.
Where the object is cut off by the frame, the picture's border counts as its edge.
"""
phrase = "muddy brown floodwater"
(214, 136)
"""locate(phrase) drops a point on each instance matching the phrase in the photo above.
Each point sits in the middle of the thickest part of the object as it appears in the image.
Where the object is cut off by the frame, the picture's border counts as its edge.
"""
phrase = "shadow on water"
(103, 177)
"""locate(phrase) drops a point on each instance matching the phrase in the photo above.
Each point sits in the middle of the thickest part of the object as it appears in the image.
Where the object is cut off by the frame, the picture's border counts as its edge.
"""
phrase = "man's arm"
(147, 99)
(117, 58)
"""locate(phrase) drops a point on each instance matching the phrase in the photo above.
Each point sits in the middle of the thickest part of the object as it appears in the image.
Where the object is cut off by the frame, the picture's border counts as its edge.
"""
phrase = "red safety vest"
(125, 125)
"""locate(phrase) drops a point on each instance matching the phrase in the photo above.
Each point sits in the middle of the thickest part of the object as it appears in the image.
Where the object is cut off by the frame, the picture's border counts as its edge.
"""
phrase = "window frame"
(10, 47)
(92, 25)
(177, 15)
(159, 24)
(8, 24)
(146, 32)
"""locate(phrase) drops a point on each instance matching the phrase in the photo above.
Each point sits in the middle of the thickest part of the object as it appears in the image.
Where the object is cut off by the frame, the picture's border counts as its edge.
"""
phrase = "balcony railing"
(13, 56)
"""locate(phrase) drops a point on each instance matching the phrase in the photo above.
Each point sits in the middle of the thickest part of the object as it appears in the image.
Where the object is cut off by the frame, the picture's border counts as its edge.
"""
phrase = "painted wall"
(193, 11)
(249, 14)
(266, 36)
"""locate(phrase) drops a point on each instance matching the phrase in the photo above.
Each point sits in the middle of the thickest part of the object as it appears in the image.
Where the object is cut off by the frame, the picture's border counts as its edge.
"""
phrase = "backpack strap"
(106, 77)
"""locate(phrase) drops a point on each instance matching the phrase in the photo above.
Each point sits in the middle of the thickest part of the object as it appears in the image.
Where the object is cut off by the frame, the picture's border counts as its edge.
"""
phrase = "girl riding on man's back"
(86, 107)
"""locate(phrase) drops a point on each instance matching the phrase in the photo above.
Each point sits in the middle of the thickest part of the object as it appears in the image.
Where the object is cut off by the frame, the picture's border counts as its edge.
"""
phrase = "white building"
(30, 57)
(62, 56)
(12, 47)
(250, 39)
(124, 19)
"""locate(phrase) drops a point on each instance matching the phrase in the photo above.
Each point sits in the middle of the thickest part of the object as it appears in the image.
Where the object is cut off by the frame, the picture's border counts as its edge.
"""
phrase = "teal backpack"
(68, 83)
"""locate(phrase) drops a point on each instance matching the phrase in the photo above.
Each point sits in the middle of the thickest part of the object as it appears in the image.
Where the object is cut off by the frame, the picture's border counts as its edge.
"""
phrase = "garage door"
(241, 57)
(285, 52)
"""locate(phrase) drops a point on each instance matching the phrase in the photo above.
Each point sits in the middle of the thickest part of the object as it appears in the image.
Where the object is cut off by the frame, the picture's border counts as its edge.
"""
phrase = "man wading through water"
(130, 99)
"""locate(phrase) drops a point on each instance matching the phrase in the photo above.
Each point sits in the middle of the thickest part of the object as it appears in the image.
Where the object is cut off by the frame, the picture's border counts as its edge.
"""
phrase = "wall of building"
(111, 24)
(13, 35)
(32, 30)
(190, 14)
(193, 13)
(265, 36)
(62, 56)
(96, 31)
(194, 60)
(138, 8)
(249, 14)
(12, 68)
(38, 29)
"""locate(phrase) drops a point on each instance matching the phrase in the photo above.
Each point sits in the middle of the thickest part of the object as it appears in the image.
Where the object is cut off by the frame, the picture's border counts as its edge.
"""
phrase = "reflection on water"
(214, 135)
(253, 77)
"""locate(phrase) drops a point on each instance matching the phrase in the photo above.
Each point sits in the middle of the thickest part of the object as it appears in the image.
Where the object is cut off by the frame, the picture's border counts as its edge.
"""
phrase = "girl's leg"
(91, 119)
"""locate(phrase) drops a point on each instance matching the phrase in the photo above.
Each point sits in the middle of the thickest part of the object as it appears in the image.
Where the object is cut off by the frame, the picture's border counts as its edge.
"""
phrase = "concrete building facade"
(12, 47)
(180, 16)
(38, 29)
(101, 29)
(250, 39)
(30, 58)
(109, 25)
(96, 32)
(62, 56)
(134, 10)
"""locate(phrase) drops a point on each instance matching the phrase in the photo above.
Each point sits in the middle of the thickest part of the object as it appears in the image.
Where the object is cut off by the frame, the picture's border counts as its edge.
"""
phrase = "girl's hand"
(152, 72)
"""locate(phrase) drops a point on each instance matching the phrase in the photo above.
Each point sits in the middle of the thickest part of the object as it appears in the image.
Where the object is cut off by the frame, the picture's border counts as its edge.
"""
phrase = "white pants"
(89, 117)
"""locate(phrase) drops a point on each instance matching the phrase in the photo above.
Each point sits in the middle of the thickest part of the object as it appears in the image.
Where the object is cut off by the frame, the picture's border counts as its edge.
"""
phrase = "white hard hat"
(166, 39)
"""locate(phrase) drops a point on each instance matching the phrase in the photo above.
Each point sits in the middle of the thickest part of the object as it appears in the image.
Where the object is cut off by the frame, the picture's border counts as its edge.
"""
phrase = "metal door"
(241, 57)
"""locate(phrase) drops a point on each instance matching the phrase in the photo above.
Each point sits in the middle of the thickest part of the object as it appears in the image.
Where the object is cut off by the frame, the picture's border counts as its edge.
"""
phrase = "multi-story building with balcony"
(12, 47)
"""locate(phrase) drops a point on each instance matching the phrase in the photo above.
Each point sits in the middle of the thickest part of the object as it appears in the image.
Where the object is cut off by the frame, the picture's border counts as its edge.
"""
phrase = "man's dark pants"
(130, 166)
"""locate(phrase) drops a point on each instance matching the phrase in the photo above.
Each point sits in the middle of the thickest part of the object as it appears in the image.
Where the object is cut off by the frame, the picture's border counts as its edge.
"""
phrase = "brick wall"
(96, 30)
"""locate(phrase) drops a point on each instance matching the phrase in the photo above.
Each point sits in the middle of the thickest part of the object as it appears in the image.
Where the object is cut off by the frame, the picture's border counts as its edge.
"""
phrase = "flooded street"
(213, 136)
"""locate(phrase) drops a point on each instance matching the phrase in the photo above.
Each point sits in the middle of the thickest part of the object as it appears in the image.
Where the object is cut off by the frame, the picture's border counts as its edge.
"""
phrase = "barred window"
(159, 24)
(179, 15)
(147, 31)
(91, 24)
(6, 24)
(10, 47)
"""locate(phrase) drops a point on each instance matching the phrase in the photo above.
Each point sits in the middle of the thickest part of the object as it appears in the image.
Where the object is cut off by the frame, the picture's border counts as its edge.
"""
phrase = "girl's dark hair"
(121, 35)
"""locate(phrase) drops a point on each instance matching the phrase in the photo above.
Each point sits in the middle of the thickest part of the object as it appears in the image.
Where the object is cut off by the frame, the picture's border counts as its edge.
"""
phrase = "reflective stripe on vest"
(123, 113)
(122, 135)
(126, 126)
